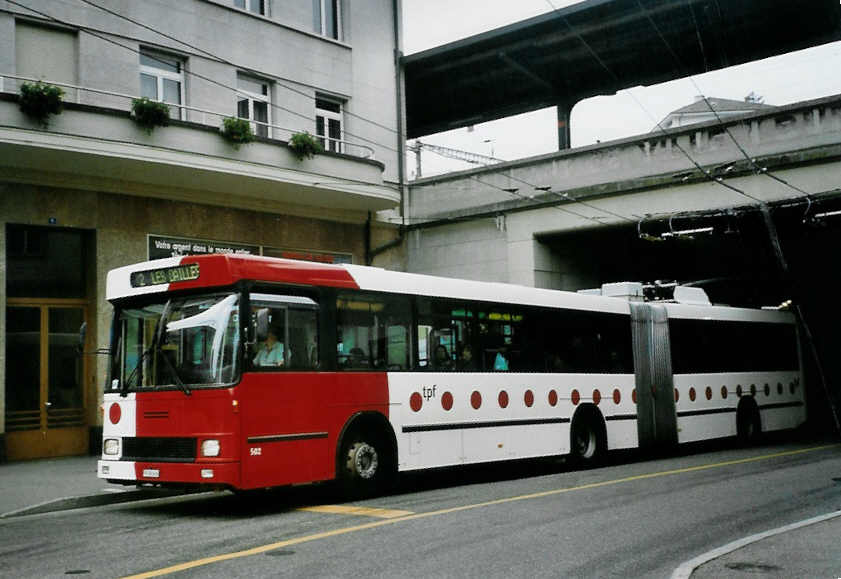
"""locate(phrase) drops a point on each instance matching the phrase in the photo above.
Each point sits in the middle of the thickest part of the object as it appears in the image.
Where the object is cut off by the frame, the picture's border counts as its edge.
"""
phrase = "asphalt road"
(639, 517)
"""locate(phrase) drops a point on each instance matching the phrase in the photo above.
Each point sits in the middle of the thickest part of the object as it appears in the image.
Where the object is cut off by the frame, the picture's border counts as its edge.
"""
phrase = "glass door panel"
(65, 395)
(23, 369)
(45, 378)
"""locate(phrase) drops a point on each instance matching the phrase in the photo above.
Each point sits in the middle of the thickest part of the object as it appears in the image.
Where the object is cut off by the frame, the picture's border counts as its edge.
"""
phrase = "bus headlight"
(210, 447)
(111, 446)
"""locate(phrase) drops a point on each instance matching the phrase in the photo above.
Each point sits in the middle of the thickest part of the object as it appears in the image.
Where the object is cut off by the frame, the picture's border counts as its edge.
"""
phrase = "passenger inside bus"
(357, 358)
(467, 363)
(441, 358)
(500, 361)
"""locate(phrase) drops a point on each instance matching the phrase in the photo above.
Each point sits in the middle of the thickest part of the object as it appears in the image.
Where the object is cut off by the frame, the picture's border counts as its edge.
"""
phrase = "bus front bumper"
(169, 473)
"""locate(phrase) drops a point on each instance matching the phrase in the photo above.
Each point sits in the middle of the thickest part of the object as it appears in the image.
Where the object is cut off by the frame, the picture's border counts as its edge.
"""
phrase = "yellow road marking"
(364, 511)
(416, 516)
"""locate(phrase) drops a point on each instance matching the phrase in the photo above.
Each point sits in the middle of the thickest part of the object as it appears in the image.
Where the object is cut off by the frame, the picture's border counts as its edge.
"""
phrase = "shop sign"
(161, 246)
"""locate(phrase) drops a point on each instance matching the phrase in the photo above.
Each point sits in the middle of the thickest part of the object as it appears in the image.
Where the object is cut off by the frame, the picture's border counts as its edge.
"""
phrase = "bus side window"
(444, 328)
(372, 332)
(501, 339)
(303, 339)
(292, 342)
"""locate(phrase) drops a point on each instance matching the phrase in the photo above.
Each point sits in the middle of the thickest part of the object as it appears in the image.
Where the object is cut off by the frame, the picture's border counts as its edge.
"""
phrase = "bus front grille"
(159, 449)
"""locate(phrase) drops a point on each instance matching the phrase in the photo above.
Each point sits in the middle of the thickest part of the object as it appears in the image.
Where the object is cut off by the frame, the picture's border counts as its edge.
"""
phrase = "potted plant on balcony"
(304, 145)
(237, 131)
(39, 100)
(150, 114)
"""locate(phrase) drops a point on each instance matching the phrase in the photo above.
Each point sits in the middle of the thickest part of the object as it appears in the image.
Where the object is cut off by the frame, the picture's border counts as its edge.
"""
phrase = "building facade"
(90, 189)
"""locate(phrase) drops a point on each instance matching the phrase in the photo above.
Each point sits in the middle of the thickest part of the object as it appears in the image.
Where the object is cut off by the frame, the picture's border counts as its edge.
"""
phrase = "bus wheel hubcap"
(362, 460)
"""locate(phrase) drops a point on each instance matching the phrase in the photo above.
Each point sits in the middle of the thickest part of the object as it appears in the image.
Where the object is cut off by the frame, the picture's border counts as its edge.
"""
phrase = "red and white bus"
(247, 372)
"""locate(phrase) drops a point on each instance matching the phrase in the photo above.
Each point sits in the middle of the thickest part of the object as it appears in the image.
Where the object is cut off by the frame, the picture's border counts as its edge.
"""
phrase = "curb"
(685, 570)
(79, 502)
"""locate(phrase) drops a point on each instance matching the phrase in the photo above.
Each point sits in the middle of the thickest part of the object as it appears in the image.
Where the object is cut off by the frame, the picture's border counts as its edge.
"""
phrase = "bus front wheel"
(365, 465)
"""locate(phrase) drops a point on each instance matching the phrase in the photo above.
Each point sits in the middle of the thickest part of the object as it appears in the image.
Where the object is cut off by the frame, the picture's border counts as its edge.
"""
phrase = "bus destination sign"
(178, 273)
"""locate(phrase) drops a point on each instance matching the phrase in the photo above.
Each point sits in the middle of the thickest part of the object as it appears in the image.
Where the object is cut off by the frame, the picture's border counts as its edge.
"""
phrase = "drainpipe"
(371, 253)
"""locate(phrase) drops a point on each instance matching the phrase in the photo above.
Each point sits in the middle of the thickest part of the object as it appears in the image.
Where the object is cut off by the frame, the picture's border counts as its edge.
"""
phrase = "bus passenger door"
(283, 418)
(656, 414)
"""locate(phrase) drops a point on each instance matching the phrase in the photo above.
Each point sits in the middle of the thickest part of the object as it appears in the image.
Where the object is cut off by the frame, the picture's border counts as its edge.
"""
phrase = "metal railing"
(193, 114)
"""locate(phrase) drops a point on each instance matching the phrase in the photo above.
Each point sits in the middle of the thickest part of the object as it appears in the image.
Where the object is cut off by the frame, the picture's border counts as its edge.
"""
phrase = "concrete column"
(564, 140)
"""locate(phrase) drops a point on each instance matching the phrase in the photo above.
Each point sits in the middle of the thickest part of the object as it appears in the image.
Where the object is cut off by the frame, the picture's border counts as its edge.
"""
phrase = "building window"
(328, 124)
(254, 6)
(253, 99)
(327, 17)
(162, 79)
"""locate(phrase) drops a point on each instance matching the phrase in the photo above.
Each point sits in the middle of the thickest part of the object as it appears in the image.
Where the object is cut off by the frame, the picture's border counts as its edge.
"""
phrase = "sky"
(780, 80)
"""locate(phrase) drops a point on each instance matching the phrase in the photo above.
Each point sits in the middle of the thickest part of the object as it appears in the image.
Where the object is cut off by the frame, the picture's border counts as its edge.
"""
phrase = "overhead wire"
(562, 196)
(759, 170)
(616, 79)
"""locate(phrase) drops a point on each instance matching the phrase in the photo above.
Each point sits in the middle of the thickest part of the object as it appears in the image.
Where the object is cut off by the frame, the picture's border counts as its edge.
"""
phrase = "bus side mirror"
(83, 330)
(262, 329)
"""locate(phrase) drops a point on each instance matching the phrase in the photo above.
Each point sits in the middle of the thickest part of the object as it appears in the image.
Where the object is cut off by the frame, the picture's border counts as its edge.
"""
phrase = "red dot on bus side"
(739, 390)
(634, 395)
(692, 394)
(597, 396)
(416, 401)
(617, 396)
(709, 393)
(503, 399)
(447, 401)
(576, 397)
(529, 398)
(724, 392)
(476, 399)
(553, 398)
(677, 395)
(115, 413)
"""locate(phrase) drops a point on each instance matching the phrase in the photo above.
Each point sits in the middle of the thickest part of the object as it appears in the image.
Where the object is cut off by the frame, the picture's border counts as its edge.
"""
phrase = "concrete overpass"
(599, 47)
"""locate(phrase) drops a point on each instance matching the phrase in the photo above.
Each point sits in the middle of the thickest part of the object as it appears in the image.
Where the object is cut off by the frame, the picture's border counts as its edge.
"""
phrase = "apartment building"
(90, 188)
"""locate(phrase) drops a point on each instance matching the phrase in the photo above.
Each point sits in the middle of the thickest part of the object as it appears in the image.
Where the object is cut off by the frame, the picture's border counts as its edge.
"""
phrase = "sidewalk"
(810, 550)
(45, 485)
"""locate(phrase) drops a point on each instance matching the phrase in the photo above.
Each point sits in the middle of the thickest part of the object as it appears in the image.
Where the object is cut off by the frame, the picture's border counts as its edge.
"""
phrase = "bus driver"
(271, 352)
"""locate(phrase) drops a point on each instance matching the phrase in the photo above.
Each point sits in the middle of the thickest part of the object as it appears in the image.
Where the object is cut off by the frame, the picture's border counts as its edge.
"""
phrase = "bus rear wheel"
(365, 465)
(588, 445)
(748, 423)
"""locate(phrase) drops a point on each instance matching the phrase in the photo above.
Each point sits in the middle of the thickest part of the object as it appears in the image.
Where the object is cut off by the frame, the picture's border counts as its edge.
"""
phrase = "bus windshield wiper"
(158, 342)
(153, 347)
(178, 382)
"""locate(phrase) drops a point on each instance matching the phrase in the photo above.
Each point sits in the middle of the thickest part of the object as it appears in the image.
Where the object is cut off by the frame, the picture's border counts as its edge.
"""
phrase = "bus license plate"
(151, 472)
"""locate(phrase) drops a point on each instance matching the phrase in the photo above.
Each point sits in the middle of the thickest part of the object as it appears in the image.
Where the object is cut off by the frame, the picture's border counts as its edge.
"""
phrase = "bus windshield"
(183, 342)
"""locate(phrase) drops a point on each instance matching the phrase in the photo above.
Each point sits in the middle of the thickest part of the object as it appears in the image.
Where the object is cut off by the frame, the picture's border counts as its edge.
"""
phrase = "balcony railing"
(188, 113)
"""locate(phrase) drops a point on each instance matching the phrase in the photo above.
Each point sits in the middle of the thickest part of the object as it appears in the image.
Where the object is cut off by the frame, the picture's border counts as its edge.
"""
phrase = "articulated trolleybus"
(249, 372)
